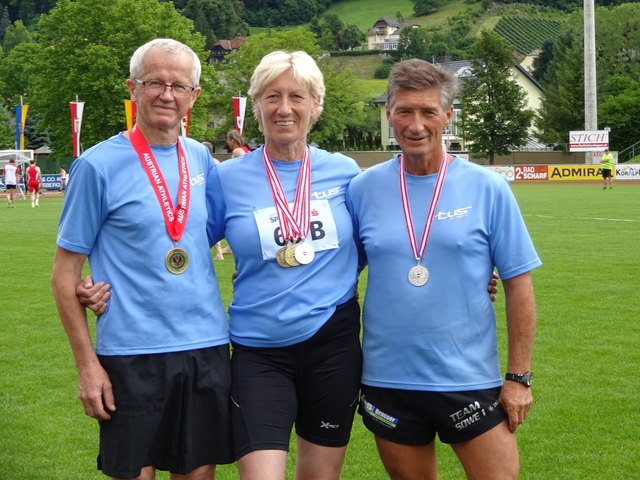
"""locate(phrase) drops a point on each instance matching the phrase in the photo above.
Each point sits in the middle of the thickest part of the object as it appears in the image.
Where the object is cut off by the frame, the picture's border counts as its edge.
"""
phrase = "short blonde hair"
(303, 69)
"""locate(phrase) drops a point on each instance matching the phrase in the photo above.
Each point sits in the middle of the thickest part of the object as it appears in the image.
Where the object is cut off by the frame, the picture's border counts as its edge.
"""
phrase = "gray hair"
(170, 47)
(303, 69)
(417, 74)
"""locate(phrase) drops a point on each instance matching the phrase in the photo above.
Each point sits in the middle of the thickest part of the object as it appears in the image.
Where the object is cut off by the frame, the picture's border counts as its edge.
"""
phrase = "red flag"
(239, 106)
(76, 122)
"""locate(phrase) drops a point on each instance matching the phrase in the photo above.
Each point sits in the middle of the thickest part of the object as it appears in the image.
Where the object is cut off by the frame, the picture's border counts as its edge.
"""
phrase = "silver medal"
(418, 276)
(304, 253)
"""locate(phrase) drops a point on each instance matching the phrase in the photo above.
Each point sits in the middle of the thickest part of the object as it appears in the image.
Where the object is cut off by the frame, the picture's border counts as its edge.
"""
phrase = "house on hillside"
(451, 133)
(222, 48)
(385, 33)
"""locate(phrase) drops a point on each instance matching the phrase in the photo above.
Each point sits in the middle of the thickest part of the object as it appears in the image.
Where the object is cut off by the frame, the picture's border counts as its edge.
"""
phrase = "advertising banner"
(575, 172)
(630, 171)
(531, 172)
(588, 141)
(50, 182)
(504, 170)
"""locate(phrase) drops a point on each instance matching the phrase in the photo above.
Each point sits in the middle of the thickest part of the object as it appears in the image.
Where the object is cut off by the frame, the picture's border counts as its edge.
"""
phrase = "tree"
(16, 77)
(7, 129)
(621, 111)
(413, 43)
(541, 62)
(17, 72)
(15, 35)
(494, 115)
(617, 57)
(86, 46)
(5, 21)
(562, 108)
(216, 19)
(426, 7)
(28, 10)
(350, 37)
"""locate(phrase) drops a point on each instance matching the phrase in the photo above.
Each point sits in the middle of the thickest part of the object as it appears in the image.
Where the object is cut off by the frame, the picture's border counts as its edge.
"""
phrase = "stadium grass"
(585, 422)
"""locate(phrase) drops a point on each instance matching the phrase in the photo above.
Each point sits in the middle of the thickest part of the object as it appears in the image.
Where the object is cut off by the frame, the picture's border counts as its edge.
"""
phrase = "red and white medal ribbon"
(406, 207)
(293, 224)
(174, 219)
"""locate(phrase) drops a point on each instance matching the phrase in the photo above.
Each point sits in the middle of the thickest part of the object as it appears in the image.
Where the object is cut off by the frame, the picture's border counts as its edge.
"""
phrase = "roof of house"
(391, 22)
(230, 44)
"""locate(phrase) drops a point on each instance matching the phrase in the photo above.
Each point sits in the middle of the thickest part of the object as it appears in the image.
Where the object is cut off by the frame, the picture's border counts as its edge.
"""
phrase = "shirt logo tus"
(197, 180)
(457, 213)
(326, 194)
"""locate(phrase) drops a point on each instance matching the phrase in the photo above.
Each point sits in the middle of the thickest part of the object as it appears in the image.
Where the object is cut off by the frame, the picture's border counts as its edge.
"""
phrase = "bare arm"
(521, 324)
(94, 387)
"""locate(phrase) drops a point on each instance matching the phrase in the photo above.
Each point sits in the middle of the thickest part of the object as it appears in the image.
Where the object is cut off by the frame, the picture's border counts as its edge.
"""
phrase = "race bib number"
(322, 234)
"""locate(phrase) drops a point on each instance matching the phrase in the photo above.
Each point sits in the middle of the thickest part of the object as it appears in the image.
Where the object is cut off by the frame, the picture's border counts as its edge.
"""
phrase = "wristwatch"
(523, 378)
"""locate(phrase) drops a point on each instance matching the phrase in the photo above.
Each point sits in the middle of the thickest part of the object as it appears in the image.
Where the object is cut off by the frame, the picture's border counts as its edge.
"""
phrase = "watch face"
(523, 378)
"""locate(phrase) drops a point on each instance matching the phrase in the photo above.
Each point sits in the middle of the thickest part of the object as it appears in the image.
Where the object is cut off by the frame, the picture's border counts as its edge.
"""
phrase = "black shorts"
(606, 173)
(8, 186)
(412, 417)
(313, 384)
(172, 412)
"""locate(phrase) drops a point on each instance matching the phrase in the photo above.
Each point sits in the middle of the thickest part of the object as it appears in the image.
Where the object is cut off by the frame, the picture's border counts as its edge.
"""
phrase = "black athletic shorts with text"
(412, 417)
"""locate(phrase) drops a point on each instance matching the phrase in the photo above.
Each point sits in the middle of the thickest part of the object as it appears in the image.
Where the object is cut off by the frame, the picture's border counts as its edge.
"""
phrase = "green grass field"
(585, 422)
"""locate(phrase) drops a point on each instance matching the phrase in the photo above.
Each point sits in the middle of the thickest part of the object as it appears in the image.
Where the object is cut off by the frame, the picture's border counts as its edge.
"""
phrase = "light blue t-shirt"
(111, 213)
(275, 306)
(441, 336)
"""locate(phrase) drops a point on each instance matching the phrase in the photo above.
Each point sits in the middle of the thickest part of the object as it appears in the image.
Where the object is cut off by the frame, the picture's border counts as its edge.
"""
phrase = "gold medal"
(176, 260)
(304, 253)
(289, 256)
(280, 258)
(418, 276)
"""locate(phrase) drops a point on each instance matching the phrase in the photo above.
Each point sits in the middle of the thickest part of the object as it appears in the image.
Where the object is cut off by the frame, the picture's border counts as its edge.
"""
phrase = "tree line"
(82, 49)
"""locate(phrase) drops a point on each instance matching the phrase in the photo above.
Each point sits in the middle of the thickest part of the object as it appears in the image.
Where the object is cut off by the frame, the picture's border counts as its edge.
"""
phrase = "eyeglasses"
(157, 88)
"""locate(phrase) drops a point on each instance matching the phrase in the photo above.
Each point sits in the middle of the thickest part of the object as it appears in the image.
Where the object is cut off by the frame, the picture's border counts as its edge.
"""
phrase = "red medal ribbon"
(406, 207)
(296, 224)
(174, 219)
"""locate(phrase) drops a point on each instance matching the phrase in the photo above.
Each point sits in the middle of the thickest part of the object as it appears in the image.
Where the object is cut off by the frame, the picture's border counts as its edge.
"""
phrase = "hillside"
(364, 13)
(526, 27)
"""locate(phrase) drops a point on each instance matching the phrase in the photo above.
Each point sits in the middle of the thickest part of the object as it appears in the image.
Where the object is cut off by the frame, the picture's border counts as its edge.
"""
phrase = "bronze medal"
(418, 276)
(280, 258)
(176, 260)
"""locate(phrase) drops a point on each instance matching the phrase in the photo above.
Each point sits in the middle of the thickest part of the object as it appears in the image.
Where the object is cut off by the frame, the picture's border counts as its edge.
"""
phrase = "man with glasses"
(158, 378)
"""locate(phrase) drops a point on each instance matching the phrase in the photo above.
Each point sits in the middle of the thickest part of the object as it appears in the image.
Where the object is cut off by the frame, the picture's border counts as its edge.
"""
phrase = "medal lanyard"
(406, 207)
(174, 219)
(293, 225)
